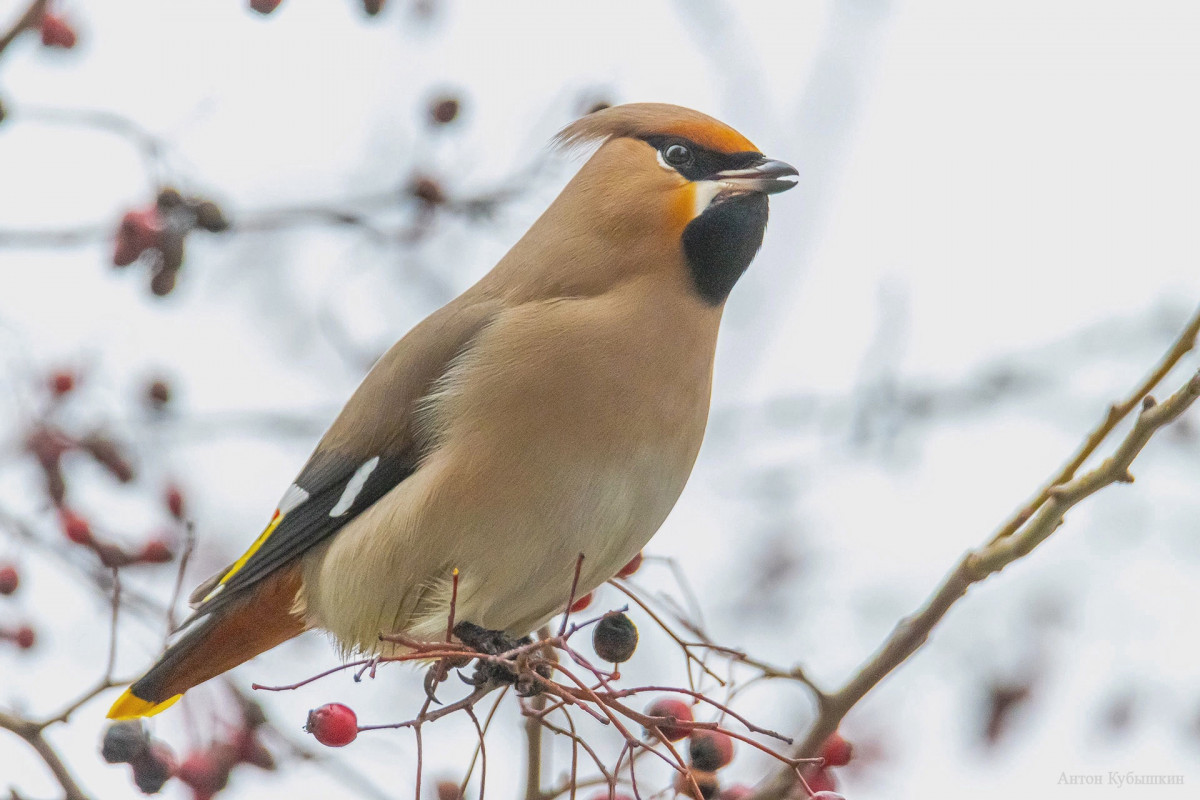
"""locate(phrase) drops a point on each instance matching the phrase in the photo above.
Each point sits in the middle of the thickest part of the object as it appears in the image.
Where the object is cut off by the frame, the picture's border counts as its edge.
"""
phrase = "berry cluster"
(49, 442)
(77, 529)
(157, 233)
(151, 761)
(23, 635)
(205, 771)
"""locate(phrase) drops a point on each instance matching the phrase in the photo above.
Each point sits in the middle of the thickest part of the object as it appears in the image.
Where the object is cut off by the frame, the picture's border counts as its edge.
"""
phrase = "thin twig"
(1116, 412)
(32, 734)
(27, 21)
(977, 565)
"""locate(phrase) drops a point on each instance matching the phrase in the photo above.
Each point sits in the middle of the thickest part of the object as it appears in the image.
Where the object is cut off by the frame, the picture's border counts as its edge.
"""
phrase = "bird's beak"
(767, 177)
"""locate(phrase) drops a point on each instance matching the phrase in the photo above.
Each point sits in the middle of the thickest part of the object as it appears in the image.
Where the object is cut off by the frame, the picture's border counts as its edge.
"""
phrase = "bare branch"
(975, 566)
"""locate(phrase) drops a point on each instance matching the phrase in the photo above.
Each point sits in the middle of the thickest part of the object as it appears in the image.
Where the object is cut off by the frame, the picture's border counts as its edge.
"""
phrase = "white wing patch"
(353, 487)
(292, 498)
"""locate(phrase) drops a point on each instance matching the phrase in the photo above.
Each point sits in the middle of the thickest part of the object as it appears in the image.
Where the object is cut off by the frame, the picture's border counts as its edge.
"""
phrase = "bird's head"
(669, 177)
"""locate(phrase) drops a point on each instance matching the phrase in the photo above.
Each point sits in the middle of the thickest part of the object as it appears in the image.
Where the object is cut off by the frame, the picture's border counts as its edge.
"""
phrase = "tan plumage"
(554, 408)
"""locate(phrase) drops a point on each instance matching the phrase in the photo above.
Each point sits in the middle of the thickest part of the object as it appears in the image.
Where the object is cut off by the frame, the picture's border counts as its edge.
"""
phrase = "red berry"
(736, 792)
(76, 527)
(710, 750)
(450, 790)
(581, 603)
(677, 710)
(265, 6)
(631, 567)
(138, 232)
(155, 551)
(57, 32)
(25, 637)
(10, 579)
(836, 751)
(827, 796)
(203, 772)
(174, 500)
(62, 382)
(334, 725)
(822, 781)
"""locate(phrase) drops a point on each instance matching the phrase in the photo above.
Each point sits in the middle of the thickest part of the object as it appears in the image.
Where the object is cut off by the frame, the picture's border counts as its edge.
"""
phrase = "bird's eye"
(677, 155)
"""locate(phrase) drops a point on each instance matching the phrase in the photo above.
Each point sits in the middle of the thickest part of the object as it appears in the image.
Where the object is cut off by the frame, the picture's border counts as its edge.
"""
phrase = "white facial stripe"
(353, 487)
(705, 191)
(292, 498)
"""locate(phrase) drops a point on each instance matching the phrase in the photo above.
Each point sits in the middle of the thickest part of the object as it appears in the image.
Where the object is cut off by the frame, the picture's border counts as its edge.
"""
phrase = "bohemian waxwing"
(553, 409)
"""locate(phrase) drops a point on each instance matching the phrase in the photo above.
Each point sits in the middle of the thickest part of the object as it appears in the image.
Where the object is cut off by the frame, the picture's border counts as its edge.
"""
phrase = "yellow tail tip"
(130, 706)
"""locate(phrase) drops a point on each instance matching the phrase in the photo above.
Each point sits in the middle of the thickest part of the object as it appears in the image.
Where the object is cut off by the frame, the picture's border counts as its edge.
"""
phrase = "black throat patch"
(722, 241)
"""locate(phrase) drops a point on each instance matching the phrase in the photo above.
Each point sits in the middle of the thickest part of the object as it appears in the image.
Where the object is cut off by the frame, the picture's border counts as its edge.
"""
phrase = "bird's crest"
(639, 120)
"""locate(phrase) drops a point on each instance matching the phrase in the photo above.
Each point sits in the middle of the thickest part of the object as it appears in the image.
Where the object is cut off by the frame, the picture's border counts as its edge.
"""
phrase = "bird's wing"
(371, 447)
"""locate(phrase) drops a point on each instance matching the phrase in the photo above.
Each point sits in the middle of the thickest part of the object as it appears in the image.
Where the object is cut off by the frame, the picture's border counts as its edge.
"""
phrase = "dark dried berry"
(615, 637)
(168, 198)
(109, 455)
(372, 7)
(153, 770)
(428, 191)
(125, 742)
(444, 110)
(158, 394)
(170, 244)
(162, 283)
(710, 750)
(210, 217)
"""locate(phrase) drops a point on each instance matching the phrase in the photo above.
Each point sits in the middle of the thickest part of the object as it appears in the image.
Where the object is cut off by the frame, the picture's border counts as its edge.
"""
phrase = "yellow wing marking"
(241, 562)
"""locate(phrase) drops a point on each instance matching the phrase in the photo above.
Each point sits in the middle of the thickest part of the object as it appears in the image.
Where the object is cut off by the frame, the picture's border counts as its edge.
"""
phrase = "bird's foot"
(495, 643)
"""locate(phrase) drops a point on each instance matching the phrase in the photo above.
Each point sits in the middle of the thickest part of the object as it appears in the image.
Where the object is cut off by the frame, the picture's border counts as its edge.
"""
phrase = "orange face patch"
(683, 208)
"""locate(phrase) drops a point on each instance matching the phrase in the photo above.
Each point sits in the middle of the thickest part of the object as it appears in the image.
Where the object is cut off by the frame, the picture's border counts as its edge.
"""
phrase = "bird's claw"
(433, 676)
